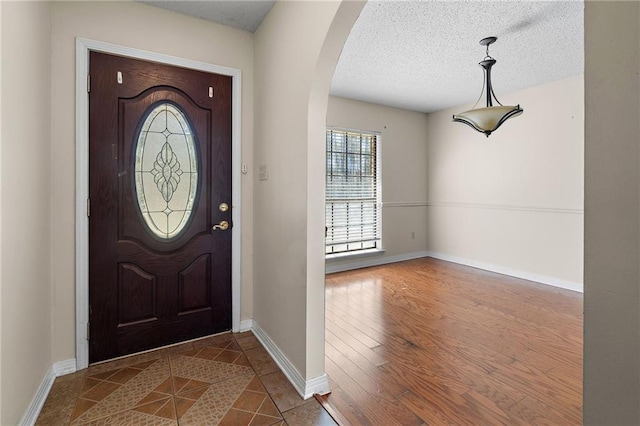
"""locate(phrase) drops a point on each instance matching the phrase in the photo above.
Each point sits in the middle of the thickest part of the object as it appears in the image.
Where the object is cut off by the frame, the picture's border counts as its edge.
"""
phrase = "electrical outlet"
(244, 168)
(413, 235)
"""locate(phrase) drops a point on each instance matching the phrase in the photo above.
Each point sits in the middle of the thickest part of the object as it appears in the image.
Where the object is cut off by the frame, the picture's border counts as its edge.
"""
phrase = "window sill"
(354, 254)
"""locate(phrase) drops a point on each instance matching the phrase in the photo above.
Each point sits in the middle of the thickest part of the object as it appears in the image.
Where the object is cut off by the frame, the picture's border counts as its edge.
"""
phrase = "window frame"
(378, 188)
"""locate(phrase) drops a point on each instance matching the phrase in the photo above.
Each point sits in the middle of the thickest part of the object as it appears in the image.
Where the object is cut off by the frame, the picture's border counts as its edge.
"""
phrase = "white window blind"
(352, 192)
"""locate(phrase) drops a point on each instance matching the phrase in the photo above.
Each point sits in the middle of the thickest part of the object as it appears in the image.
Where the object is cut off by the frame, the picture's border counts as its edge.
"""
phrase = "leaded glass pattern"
(166, 171)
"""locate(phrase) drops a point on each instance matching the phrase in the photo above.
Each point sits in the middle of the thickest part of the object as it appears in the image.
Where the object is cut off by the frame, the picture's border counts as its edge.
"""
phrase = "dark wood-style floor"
(432, 342)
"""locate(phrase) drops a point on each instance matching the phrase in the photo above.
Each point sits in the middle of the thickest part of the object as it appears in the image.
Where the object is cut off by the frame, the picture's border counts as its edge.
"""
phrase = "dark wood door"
(160, 171)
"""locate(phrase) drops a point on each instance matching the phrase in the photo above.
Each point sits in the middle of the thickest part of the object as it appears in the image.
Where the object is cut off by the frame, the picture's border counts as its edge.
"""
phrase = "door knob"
(223, 226)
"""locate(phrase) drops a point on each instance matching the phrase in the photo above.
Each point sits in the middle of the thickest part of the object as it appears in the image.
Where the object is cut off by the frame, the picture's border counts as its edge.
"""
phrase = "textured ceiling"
(423, 55)
(246, 15)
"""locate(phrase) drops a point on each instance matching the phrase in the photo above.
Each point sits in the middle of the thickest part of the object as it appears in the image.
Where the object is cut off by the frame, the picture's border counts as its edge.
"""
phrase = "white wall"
(512, 202)
(136, 25)
(612, 212)
(25, 263)
(283, 67)
(294, 62)
(403, 151)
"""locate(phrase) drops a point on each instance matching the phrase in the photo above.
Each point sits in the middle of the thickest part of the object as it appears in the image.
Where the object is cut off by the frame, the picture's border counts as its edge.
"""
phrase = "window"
(166, 171)
(353, 192)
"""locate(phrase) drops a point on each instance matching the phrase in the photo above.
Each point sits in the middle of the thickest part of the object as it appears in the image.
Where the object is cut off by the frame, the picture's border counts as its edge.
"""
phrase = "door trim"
(83, 47)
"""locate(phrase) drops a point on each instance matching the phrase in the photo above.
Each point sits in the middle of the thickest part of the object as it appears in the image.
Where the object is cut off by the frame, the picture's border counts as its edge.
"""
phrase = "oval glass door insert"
(166, 171)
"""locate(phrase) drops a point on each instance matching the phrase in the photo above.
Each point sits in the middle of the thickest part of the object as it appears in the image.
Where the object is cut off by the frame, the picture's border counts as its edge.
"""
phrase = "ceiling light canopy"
(486, 120)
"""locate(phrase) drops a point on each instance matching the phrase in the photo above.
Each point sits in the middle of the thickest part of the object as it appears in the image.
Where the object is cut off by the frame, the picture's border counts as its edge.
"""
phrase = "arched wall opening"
(611, 227)
(295, 52)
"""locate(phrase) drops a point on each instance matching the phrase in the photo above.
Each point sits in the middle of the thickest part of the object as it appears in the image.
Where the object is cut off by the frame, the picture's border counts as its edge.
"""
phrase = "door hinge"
(88, 207)
(88, 328)
(88, 83)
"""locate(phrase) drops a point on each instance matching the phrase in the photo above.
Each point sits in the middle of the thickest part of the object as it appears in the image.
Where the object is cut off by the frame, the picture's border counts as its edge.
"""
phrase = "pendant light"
(486, 120)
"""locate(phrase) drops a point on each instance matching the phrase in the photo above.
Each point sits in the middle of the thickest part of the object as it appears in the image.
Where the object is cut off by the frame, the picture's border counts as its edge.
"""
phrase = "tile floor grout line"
(231, 405)
(268, 397)
(174, 393)
(261, 382)
(123, 410)
(77, 398)
(233, 354)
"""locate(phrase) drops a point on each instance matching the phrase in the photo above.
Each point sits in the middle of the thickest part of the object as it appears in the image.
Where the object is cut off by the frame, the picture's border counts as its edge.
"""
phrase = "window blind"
(352, 193)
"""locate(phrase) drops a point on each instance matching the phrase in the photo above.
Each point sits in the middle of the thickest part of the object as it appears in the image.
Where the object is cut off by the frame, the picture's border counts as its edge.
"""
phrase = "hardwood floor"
(432, 342)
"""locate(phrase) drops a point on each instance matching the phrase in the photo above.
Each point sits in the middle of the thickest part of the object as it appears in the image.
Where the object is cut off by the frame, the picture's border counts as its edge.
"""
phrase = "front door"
(160, 205)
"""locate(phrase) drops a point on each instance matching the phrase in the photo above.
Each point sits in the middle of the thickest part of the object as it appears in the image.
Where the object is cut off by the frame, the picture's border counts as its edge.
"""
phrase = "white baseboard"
(542, 279)
(306, 388)
(245, 325)
(33, 410)
(62, 368)
(372, 261)
(318, 385)
(57, 369)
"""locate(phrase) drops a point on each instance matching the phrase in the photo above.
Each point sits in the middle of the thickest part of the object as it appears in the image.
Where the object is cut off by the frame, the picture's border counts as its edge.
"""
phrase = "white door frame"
(83, 47)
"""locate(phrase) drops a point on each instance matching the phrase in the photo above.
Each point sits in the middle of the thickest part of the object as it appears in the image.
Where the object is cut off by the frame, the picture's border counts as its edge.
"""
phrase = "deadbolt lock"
(223, 226)
(223, 207)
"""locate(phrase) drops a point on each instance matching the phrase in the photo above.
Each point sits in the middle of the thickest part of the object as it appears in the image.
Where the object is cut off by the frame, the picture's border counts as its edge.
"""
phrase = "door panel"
(160, 164)
(194, 293)
(137, 290)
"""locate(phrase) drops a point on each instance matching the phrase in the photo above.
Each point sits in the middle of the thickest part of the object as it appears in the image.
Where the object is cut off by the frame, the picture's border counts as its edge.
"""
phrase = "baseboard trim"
(542, 279)
(62, 368)
(33, 410)
(317, 386)
(246, 325)
(57, 369)
(306, 388)
(373, 261)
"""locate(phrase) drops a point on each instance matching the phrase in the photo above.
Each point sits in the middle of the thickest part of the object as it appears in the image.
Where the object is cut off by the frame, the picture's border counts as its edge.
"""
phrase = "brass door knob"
(223, 226)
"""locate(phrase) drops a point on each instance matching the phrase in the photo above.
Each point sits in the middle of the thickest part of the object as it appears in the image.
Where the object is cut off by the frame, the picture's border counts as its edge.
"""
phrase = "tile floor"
(227, 379)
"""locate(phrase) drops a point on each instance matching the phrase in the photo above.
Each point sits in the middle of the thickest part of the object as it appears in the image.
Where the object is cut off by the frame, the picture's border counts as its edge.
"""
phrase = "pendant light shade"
(486, 120)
